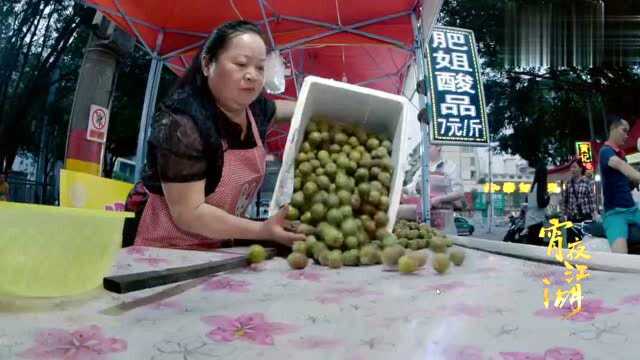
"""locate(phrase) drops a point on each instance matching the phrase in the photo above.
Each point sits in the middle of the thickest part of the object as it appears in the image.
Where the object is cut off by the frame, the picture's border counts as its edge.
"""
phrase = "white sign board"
(98, 124)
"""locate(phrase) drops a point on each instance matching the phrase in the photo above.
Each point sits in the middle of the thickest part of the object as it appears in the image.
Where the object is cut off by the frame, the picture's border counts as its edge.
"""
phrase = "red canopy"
(368, 43)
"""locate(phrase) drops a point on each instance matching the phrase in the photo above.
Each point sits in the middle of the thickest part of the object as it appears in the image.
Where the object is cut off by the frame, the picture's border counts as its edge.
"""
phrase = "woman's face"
(237, 77)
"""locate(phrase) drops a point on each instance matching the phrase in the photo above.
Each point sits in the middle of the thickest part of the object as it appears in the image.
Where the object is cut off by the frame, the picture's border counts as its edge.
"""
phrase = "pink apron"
(242, 176)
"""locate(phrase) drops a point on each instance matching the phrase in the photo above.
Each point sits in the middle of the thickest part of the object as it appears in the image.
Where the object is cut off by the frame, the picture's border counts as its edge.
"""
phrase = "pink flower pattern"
(591, 308)
(454, 352)
(226, 283)
(313, 343)
(308, 275)
(153, 262)
(87, 343)
(556, 353)
(137, 250)
(631, 300)
(118, 206)
(252, 328)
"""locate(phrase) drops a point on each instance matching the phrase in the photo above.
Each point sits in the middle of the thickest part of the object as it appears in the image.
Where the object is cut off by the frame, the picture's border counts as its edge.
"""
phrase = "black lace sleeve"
(179, 153)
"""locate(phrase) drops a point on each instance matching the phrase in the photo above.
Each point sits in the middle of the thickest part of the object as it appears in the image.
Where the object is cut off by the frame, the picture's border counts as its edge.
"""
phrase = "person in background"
(4, 188)
(206, 158)
(618, 179)
(579, 200)
(538, 200)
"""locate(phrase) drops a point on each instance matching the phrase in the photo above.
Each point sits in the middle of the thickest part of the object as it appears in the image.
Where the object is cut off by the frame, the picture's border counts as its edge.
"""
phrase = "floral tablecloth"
(489, 308)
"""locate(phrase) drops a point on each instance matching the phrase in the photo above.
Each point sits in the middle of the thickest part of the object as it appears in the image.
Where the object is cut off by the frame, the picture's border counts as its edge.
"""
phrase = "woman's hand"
(275, 229)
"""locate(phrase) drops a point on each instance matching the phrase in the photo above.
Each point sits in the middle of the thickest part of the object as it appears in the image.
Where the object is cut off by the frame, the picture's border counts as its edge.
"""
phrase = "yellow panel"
(80, 190)
(86, 167)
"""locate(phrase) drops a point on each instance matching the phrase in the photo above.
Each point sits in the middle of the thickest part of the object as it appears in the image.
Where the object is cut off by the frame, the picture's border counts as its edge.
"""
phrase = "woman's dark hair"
(211, 49)
(540, 179)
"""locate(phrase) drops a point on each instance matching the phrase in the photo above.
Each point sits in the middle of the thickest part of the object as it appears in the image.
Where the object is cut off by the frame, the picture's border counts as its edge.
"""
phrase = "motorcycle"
(516, 232)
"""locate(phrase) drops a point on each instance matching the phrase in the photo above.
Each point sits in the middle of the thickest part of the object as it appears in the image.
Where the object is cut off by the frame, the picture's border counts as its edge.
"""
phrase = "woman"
(536, 210)
(206, 158)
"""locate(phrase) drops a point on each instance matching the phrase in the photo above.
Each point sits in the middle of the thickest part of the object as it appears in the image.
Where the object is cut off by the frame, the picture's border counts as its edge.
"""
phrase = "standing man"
(579, 199)
(4, 188)
(618, 178)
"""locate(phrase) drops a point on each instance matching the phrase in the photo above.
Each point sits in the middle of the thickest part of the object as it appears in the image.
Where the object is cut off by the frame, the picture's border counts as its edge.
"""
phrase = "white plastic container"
(377, 111)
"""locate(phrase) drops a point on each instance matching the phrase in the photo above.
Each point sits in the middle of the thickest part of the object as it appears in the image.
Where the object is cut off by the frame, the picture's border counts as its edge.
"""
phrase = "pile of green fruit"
(341, 193)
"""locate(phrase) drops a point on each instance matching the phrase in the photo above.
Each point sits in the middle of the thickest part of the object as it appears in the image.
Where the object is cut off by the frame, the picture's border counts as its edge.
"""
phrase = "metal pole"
(424, 126)
(148, 110)
(490, 190)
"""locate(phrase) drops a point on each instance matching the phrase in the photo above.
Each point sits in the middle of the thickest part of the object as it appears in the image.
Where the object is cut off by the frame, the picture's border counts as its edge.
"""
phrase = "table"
(489, 308)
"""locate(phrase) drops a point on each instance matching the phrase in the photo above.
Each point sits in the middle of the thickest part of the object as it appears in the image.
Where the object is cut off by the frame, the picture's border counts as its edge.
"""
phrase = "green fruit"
(364, 189)
(377, 244)
(389, 240)
(356, 201)
(369, 226)
(407, 265)
(413, 245)
(335, 148)
(325, 136)
(323, 155)
(403, 242)
(293, 214)
(346, 149)
(310, 241)
(311, 178)
(385, 178)
(297, 184)
(440, 263)
(331, 169)
(361, 134)
(319, 171)
(456, 256)
(314, 138)
(305, 229)
(420, 257)
(377, 186)
(375, 172)
(302, 157)
(332, 237)
(353, 141)
(334, 217)
(413, 234)
(343, 182)
(343, 162)
(334, 259)
(340, 138)
(310, 189)
(387, 145)
(437, 245)
(312, 126)
(351, 242)
(345, 197)
(384, 203)
(324, 257)
(373, 144)
(351, 258)
(361, 175)
(297, 260)
(332, 201)
(318, 248)
(422, 243)
(320, 197)
(351, 169)
(369, 209)
(381, 233)
(318, 212)
(323, 181)
(306, 218)
(305, 168)
(355, 156)
(448, 242)
(306, 147)
(374, 197)
(257, 254)
(363, 238)
(314, 164)
(347, 211)
(369, 255)
(391, 254)
(349, 227)
(381, 219)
